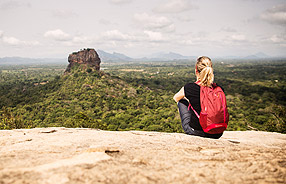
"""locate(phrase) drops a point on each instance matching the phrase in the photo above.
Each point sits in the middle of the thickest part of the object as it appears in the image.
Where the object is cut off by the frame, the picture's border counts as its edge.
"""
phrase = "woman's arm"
(178, 96)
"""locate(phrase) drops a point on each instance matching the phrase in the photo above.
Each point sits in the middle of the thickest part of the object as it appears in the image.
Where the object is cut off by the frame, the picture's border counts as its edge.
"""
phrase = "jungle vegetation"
(137, 96)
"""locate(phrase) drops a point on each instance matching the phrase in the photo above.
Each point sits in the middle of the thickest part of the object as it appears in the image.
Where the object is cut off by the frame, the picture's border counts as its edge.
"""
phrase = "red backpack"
(214, 116)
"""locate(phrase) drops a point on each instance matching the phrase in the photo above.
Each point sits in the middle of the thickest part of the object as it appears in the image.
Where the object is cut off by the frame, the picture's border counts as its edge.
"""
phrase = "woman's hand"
(178, 96)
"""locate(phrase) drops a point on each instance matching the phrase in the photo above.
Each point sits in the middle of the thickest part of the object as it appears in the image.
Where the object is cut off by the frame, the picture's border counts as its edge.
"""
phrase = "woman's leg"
(185, 115)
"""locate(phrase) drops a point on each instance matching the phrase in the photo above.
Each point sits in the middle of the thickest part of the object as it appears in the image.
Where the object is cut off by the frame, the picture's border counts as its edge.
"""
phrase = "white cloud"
(104, 21)
(174, 6)
(58, 35)
(31, 43)
(10, 40)
(120, 1)
(185, 18)
(152, 22)
(186, 42)
(281, 39)
(81, 39)
(275, 15)
(228, 29)
(64, 14)
(238, 37)
(154, 36)
(117, 35)
(11, 4)
(68, 39)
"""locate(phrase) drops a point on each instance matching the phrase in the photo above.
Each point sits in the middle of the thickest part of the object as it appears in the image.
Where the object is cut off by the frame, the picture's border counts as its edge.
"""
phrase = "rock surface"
(63, 155)
(88, 57)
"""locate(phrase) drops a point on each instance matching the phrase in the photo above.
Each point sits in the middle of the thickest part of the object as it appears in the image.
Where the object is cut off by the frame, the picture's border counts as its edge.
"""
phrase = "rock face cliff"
(87, 57)
(66, 155)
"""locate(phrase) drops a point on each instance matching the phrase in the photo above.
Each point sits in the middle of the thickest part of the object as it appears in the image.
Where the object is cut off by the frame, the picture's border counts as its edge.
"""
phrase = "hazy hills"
(105, 56)
(119, 57)
(160, 56)
(21, 60)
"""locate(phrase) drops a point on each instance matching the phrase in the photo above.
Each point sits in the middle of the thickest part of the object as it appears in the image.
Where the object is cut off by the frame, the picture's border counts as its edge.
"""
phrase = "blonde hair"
(204, 67)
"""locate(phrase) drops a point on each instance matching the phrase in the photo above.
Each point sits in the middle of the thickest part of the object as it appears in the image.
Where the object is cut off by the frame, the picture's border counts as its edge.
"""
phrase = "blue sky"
(55, 28)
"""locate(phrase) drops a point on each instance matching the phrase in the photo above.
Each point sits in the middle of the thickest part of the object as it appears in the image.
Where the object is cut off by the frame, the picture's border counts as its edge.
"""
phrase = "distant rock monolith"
(86, 57)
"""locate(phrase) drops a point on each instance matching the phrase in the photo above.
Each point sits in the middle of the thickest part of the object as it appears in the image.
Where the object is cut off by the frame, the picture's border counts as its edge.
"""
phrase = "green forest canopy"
(137, 96)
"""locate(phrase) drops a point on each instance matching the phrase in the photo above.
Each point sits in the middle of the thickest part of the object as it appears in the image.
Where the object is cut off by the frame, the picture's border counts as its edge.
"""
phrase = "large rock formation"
(87, 57)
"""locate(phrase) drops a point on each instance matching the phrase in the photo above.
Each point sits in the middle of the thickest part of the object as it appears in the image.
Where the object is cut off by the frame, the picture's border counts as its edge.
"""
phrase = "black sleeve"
(187, 90)
(192, 93)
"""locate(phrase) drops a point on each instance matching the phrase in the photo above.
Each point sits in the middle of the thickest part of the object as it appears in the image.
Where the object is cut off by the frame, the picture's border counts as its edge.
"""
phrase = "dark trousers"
(185, 115)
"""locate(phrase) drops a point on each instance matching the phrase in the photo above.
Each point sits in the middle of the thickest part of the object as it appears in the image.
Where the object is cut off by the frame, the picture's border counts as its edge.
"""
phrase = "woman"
(191, 93)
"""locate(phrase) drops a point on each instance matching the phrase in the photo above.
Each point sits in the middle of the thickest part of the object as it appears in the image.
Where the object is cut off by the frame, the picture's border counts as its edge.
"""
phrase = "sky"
(137, 28)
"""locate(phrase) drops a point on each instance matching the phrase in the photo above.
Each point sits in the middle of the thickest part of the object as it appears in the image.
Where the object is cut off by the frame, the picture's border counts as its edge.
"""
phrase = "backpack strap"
(194, 110)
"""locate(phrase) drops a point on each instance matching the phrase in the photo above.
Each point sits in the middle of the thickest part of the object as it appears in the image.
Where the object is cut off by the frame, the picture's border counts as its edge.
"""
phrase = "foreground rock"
(62, 155)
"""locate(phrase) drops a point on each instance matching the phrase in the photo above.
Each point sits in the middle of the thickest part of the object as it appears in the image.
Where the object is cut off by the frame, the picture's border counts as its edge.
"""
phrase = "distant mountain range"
(160, 56)
(21, 60)
(105, 56)
(119, 57)
(258, 55)
(169, 56)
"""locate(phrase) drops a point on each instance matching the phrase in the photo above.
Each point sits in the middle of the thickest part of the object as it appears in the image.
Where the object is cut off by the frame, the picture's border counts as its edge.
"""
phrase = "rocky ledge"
(64, 155)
